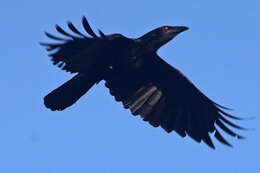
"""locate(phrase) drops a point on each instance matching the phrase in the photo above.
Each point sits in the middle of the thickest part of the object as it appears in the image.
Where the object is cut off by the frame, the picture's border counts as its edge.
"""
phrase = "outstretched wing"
(75, 53)
(164, 97)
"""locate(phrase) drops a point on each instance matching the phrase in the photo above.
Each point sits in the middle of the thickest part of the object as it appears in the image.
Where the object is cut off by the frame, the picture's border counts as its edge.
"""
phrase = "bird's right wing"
(188, 110)
(75, 53)
(164, 97)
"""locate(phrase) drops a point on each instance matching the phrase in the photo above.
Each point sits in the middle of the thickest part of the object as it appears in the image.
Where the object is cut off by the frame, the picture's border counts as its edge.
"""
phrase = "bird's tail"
(68, 93)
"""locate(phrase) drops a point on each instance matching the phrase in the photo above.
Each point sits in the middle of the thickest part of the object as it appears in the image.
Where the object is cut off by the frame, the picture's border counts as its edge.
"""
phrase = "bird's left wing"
(77, 52)
(164, 97)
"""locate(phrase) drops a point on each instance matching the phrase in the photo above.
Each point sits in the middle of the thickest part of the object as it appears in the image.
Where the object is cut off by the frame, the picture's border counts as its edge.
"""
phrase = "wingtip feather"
(87, 27)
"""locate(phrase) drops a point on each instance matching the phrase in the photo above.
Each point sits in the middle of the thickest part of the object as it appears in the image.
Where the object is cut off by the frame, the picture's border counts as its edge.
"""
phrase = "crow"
(139, 78)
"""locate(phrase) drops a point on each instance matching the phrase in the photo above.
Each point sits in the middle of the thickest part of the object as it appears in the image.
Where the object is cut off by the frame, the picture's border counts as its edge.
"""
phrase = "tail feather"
(68, 93)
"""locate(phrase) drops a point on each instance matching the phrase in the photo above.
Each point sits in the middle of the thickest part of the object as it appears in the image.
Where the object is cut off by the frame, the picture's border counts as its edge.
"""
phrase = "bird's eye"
(166, 28)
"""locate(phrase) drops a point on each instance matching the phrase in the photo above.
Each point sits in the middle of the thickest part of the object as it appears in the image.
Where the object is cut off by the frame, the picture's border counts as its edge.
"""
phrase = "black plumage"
(136, 76)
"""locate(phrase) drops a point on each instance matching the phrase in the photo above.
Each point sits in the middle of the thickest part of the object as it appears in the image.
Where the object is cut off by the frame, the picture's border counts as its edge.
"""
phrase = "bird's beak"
(175, 30)
(178, 29)
(182, 28)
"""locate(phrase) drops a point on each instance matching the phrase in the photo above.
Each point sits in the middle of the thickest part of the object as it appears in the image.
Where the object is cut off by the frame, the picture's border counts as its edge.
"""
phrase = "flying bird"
(139, 78)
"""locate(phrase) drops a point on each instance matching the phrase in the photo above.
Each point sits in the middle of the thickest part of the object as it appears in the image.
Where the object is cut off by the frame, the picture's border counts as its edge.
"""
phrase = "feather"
(208, 141)
(155, 117)
(87, 27)
(150, 104)
(142, 99)
(101, 34)
(54, 37)
(231, 124)
(50, 46)
(223, 107)
(74, 29)
(61, 64)
(227, 130)
(60, 30)
(221, 139)
(134, 96)
(230, 116)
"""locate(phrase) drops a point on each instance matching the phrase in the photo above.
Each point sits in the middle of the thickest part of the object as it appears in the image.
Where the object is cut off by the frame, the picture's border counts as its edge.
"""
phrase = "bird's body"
(136, 76)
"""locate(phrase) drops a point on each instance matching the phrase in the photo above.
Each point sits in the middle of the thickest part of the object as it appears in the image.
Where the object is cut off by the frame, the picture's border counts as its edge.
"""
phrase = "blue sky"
(220, 54)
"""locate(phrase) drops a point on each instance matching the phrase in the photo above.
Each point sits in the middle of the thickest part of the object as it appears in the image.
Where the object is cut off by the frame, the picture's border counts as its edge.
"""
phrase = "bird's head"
(160, 36)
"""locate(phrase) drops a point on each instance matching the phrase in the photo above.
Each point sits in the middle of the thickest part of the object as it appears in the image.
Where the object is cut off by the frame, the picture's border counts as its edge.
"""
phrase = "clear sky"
(220, 54)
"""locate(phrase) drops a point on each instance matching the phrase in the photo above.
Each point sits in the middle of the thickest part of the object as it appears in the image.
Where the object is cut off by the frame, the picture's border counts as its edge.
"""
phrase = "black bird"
(136, 76)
